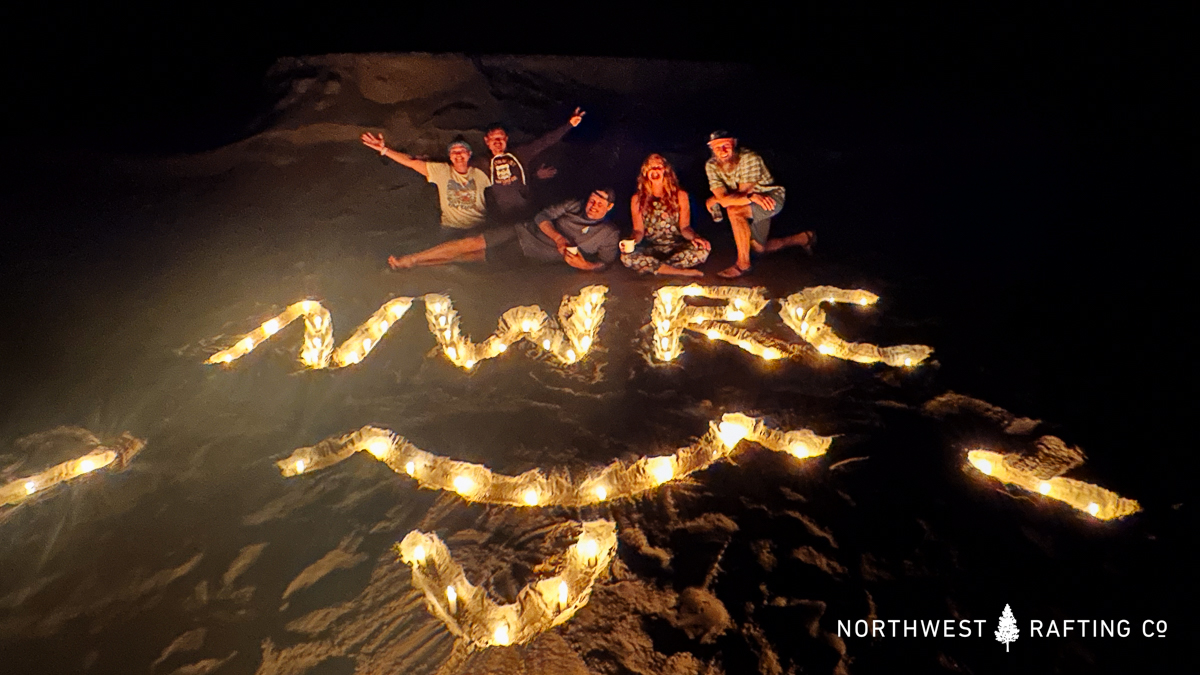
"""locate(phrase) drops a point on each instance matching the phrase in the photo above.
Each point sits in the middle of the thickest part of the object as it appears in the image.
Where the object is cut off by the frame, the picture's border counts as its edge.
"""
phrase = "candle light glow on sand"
(539, 488)
(471, 615)
(579, 319)
(1086, 497)
(578, 323)
(115, 456)
(464, 608)
(802, 313)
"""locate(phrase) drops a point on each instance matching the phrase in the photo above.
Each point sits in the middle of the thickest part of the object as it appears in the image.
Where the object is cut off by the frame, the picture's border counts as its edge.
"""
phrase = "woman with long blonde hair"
(662, 225)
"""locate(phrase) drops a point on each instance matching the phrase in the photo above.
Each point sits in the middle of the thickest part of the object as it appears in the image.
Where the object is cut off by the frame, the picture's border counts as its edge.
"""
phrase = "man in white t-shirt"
(460, 185)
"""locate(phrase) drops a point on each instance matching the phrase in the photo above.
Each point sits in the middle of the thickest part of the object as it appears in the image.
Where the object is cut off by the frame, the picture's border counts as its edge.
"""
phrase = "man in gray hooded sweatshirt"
(575, 232)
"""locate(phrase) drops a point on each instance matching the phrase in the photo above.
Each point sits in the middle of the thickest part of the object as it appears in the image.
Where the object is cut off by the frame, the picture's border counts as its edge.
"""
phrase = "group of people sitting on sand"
(578, 231)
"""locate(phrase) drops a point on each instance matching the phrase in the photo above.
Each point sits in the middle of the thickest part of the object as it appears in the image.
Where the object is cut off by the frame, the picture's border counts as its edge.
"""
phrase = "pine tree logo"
(1007, 632)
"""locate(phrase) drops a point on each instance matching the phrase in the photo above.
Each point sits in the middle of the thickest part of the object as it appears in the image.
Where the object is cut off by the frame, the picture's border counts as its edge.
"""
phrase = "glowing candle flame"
(451, 595)
(419, 553)
(383, 326)
(352, 357)
(87, 466)
(712, 334)
(531, 497)
(367, 343)
(30, 487)
(247, 344)
(825, 349)
(463, 484)
(770, 353)
(799, 449)
(735, 315)
(862, 301)
(410, 468)
(300, 466)
(731, 432)
(271, 327)
(546, 343)
(984, 466)
(379, 447)
(452, 353)
(661, 469)
(500, 637)
(1093, 508)
(571, 355)
(1044, 487)
(908, 362)
(588, 548)
(585, 343)
(601, 492)
(563, 593)
(526, 325)
(500, 347)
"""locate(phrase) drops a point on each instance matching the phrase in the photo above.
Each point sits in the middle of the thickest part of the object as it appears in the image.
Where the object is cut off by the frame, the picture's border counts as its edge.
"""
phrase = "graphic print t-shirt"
(507, 170)
(461, 196)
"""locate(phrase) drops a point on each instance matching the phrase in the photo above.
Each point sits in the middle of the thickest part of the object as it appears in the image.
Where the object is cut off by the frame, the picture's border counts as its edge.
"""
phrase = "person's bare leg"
(804, 239)
(677, 271)
(739, 221)
(470, 249)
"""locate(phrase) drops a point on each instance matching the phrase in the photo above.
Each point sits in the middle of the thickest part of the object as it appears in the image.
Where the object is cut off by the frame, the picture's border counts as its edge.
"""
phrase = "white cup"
(627, 245)
(573, 250)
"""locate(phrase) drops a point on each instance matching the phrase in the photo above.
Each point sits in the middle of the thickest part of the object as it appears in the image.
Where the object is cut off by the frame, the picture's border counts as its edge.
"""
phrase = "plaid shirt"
(749, 169)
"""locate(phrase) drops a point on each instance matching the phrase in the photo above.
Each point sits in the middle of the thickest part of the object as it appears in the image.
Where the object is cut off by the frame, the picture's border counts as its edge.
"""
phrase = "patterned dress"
(663, 244)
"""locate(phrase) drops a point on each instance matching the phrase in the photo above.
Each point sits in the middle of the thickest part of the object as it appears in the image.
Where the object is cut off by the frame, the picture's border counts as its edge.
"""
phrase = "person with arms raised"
(510, 196)
(460, 186)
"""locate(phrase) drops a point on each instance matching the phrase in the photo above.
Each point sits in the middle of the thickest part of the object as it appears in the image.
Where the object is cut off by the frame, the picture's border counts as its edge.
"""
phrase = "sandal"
(733, 271)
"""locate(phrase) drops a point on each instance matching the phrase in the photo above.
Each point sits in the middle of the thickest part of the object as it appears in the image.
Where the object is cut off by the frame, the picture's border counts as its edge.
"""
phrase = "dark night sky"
(108, 73)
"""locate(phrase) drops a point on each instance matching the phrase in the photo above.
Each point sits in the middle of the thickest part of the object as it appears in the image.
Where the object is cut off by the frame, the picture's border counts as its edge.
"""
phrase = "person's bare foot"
(733, 271)
(804, 240)
(401, 263)
(810, 241)
(678, 271)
